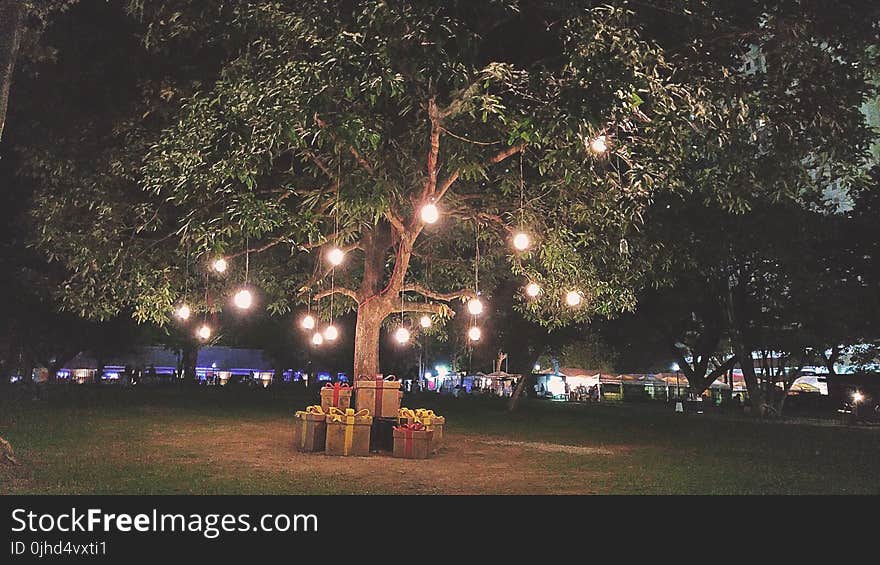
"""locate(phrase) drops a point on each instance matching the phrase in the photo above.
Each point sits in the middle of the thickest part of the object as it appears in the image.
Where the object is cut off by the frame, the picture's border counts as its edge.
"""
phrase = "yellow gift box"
(348, 432)
(310, 430)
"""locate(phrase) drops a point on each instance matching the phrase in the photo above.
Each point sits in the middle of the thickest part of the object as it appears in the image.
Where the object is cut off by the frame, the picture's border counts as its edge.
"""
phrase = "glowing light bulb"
(331, 333)
(425, 321)
(183, 312)
(317, 339)
(402, 335)
(474, 334)
(308, 322)
(533, 289)
(475, 306)
(573, 298)
(204, 332)
(521, 241)
(857, 397)
(335, 256)
(430, 213)
(219, 265)
(243, 299)
(599, 145)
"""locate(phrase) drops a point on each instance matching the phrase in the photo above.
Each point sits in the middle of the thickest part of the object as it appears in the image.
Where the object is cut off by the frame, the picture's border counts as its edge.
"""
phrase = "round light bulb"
(425, 321)
(243, 299)
(331, 333)
(204, 332)
(430, 213)
(183, 312)
(521, 241)
(308, 322)
(573, 298)
(402, 335)
(335, 256)
(474, 334)
(857, 397)
(475, 306)
(533, 289)
(599, 145)
(219, 265)
(317, 339)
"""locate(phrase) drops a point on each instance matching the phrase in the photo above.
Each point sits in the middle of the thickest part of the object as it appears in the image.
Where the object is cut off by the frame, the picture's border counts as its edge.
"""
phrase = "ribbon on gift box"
(335, 387)
(425, 416)
(408, 430)
(380, 385)
(347, 417)
(315, 409)
(406, 415)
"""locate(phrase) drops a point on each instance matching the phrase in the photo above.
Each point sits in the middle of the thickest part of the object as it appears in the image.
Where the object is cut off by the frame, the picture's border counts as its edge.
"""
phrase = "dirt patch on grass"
(469, 464)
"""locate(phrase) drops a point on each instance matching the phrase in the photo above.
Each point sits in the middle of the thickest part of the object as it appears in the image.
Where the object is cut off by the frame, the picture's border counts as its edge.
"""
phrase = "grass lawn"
(215, 441)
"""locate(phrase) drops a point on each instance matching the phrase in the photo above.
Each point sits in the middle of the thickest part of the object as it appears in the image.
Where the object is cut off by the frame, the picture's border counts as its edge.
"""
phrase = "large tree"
(333, 124)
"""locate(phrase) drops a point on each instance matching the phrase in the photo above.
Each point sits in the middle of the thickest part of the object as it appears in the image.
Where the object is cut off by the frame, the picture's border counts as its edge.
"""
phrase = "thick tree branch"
(272, 243)
(426, 307)
(337, 290)
(446, 297)
(497, 158)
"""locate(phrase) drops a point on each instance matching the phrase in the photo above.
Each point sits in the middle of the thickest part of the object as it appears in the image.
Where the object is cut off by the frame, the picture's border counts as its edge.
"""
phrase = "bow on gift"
(316, 410)
(348, 417)
(425, 416)
(408, 430)
(335, 387)
(406, 414)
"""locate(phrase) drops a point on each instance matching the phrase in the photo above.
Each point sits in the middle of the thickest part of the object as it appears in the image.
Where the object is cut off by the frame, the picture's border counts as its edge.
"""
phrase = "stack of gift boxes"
(375, 423)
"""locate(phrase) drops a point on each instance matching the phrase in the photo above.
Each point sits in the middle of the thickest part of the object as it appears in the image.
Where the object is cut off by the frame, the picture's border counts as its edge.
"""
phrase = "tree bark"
(11, 30)
(370, 315)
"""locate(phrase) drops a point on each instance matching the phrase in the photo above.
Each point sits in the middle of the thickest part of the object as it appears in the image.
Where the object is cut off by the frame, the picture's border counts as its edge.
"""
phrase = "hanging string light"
(204, 332)
(317, 338)
(183, 311)
(425, 321)
(533, 290)
(402, 335)
(521, 240)
(219, 265)
(331, 332)
(573, 298)
(243, 299)
(474, 334)
(475, 305)
(429, 213)
(335, 256)
(599, 145)
(308, 321)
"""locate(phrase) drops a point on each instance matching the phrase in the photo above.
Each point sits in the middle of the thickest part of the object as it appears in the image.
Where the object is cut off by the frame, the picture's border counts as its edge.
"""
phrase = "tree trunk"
(370, 315)
(11, 30)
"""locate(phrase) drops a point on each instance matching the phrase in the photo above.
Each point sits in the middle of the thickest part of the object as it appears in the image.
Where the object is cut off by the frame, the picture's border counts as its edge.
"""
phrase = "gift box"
(412, 441)
(381, 396)
(337, 395)
(310, 429)
(432, 422)
(348, 432)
